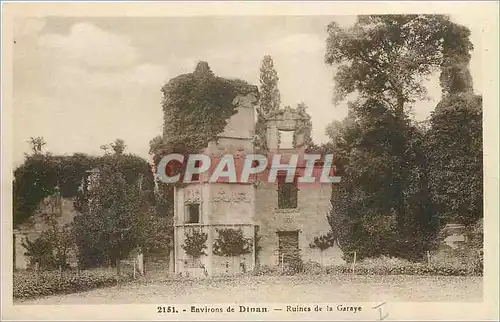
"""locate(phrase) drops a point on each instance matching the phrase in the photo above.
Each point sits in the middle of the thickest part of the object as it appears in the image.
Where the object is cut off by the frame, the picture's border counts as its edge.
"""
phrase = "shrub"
(395, 266)
(40, 251)
(461, 257)
(292, 264)
(411, 269)
(30, 285)
(265, 270)
(194, 243)
(383, 261)
(231, 242)
(312, 268)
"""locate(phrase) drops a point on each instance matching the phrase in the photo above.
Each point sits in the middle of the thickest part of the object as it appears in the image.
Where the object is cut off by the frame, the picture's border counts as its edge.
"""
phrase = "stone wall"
(35, 225)
(309, 219)
(215, 265)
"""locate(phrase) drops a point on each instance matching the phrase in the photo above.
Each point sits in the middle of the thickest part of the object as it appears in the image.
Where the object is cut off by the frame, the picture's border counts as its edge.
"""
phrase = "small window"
(287, 193)
(193, 214)
(285, 139)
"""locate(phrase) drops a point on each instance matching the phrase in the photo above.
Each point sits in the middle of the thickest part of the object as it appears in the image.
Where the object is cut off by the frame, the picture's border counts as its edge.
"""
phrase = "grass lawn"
(276, 289)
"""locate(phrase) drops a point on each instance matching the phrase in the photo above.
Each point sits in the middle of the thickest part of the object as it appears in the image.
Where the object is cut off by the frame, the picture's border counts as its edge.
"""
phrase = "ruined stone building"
(280, 219)
(36, 224)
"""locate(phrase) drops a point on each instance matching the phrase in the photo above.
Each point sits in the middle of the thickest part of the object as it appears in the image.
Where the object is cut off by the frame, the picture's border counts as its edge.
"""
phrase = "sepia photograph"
(248, 166)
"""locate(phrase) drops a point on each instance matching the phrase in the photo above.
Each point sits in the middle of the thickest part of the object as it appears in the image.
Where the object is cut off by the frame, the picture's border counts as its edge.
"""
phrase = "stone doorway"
(288, 249)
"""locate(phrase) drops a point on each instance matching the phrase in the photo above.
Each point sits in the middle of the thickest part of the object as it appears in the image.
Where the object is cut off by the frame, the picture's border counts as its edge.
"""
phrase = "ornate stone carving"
(232, 197)
(192, 196)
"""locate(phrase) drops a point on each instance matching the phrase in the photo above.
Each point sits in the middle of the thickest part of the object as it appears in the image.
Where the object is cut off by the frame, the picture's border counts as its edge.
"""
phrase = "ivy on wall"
(231, 242)
(196, 107)
(195, 243)
(39, 175)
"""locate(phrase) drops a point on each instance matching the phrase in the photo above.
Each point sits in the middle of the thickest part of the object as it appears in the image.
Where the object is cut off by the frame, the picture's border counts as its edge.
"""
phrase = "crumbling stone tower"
(290, 215)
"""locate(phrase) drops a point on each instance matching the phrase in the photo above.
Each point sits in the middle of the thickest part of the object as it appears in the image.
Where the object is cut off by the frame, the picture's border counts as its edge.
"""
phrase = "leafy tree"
(269, 92)
(269, 99)
(384, 198)
(322, 243)
(106, 231)
(118, 146)
(39, 251)
(455, 75)
(37, 144)
(39, 175)
(231, 242)
(454, 140)
(60, 238)
(195, 243)
(385, 57)
(455, 148)
(51, 249)
(33, 181)
(105, 148)
(381, 206)
(155, 233)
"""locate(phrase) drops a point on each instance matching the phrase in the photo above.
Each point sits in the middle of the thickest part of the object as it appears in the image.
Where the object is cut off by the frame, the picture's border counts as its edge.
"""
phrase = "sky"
(83, 82)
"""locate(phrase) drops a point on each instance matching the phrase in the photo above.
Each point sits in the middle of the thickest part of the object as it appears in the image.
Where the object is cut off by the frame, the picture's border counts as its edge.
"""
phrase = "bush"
(312, 268)
(265, 270)
(385, 266)
(28, 285)
(411, 269)
(383, 261)
(231, 242)
(395, 266)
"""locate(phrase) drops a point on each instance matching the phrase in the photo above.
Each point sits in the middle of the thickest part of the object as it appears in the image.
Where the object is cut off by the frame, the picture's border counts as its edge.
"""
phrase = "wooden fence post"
(36, 272)
(354, 262)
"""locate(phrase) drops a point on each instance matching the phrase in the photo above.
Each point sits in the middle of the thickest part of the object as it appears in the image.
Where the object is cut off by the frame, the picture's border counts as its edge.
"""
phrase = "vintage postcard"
(250, 161)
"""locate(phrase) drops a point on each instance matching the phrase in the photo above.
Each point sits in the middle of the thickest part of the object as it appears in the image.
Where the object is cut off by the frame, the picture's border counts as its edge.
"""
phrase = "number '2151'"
(167, 309)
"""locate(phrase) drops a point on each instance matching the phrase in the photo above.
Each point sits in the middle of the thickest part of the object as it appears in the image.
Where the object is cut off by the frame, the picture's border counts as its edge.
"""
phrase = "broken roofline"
(306, 168)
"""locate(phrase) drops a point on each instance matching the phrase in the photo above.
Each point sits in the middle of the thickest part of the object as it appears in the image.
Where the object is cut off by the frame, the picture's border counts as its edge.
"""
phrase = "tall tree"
(383, 200)
(455, 148)
(454, 140)
(386, 57)
(270, 99)
(455, 75)
(105, 232)
(269, 92)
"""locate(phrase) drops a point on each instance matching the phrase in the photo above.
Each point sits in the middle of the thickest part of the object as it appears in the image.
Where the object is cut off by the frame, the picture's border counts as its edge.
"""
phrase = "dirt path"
(324, 288)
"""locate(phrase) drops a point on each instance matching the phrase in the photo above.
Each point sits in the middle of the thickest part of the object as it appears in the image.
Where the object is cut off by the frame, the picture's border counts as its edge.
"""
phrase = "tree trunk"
(400, 105)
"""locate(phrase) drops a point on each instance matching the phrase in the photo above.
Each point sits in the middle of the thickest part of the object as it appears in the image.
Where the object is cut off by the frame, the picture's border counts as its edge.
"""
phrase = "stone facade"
(253, 207)
(35, 225)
